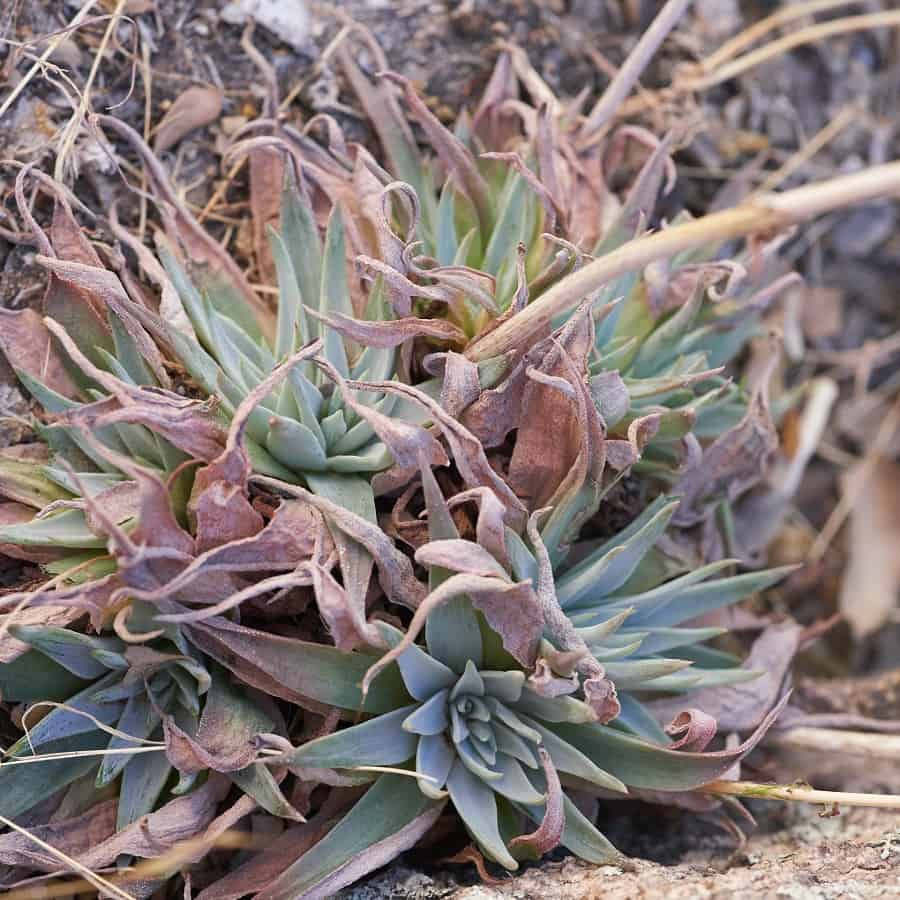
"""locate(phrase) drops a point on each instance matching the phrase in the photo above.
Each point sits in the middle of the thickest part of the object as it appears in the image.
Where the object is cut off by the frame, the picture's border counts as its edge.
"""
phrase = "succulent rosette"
(239, 602)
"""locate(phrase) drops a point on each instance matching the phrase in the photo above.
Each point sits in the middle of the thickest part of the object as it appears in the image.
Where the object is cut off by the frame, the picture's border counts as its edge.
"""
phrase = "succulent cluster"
(337, 544)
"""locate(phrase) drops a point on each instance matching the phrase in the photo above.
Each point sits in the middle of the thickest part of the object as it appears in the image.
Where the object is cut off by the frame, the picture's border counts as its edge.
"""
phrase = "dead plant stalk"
(799, 793)
(765, 214)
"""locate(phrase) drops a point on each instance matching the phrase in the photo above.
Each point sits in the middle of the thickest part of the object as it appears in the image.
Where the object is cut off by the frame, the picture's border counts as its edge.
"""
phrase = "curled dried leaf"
(194, 108)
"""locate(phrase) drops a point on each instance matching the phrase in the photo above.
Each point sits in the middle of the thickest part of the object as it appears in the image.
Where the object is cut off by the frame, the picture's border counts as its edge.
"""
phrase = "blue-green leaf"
(70, 649)
(477, 807)
(392, 815)
(381, 741)
(611, 565)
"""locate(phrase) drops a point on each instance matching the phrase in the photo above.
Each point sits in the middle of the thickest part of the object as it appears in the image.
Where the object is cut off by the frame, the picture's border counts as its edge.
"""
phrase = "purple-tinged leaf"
(549, 833)
(305, 673)
(224, 741)
(392, 333)
(394, 569)
(390, 818)
(109, 293)
(696, 728)
(467, 450)
(26, 342)
(453, 153)
(510, 609)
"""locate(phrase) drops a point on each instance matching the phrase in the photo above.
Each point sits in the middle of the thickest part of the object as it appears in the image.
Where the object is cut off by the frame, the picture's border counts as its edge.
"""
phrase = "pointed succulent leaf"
(636, 719)
(258, 782)
(62, 730)
(641, 764)
(143, 782)
(610, 566)
(287, 667)
(66, 529)
(138, 719)
(682, 606)
(477, 807)
(34, 676)
(553, 709)
(434, 759)
(431, 717)
(570, 760)
(381, 741)
(391, 816)
(68, 648)
(514, 785)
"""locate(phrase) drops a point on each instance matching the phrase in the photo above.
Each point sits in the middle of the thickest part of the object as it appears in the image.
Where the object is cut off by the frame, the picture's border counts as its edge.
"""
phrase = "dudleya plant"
(198, 442)
(481, 733)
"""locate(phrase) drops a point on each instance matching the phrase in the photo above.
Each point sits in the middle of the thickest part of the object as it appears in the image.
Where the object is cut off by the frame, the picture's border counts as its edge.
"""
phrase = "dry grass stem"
(809, 35)
(73, 126)
(52, 45)
(800, 793)
(832, 740)
(620, 87)
(764, 214)
(759, 30)
(817, 142)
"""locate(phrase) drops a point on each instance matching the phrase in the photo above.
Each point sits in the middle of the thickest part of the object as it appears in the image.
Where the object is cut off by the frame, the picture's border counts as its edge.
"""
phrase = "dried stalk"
(799, 793)
(620, 87)
(811, 35)
(819, 140)
(836, 741)
(759, 30)
(770, 212)
(52, 45)
(73, 126)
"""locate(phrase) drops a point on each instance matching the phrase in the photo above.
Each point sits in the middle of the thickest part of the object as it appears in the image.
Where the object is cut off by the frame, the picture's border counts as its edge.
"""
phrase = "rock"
(288, 21)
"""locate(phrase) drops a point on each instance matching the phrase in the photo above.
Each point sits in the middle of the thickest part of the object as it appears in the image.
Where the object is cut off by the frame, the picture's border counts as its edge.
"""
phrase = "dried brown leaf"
(195, 107)
(183, 229)
(872, 577)
(742, 707)
(73, 837)
(549, 833)
(28, 346)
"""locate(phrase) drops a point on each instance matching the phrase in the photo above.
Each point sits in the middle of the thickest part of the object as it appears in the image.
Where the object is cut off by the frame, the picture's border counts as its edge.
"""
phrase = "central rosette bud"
(471, 739)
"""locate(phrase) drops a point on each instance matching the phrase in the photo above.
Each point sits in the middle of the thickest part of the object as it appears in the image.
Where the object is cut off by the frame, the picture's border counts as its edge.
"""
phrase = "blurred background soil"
(816, 111)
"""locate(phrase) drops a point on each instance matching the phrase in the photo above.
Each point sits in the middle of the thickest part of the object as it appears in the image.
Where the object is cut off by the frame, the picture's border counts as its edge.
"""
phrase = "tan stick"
(799, 793)
(73, 126)
(79, 17)
(811, 35)
(767, 213)
(837, 741)
(759, 30)
(810, 148)
(620, 87)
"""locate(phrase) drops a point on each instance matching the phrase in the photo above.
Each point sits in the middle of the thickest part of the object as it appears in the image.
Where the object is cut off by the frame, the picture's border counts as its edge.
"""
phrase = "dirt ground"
(851, 262)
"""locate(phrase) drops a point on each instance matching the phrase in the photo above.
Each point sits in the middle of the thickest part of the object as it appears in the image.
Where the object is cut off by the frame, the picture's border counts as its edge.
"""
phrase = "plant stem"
(766, 213)
(620, 87)
(839, 741)
(38, 64)
(810, 35)
(759, 30)
(799, 793)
